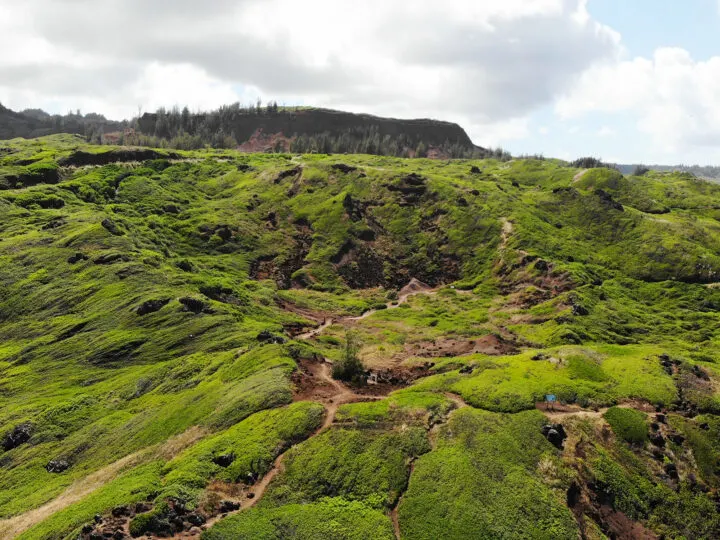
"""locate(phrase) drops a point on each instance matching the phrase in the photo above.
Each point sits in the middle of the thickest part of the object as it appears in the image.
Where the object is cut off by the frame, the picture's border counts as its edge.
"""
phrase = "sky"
(628, 81)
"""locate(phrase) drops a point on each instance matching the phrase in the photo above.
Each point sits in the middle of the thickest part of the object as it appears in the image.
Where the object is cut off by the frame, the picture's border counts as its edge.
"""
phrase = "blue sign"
(550, 398)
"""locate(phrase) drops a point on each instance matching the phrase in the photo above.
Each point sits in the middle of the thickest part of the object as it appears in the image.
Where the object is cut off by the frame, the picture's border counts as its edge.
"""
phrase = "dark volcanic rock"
(18, 435)
(229, 506)
(111, 227)
(110, 258)
(195, 519)
(555, 434)
(475, 170)
(151, 306)
(608, 201)
(224, 460)
(80, 158)
(77, 257)
(288, 174)
(343, 168)
(192, 304)
(268, 337)
(57, 466)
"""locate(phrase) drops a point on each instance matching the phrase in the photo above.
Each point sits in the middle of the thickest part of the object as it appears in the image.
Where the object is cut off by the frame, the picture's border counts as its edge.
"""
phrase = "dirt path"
(81, 488)
(432, 433)
(413, 288)
(561, 412)
(507, 230)
(579, 175)
(339, 395)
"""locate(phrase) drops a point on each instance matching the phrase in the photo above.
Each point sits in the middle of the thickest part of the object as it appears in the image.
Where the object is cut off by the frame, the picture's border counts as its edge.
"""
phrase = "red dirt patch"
(449, 347)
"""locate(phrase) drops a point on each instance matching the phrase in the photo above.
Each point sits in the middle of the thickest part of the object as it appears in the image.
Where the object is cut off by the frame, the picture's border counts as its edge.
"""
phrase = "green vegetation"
(628, 424)
(154, 310)
(349, 367)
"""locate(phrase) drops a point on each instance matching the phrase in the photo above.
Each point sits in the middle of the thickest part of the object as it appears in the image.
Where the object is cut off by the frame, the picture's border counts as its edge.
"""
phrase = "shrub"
(349, 367)
(628, 424)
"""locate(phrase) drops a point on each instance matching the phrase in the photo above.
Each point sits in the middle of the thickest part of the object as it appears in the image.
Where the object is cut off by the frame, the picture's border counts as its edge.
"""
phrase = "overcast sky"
(625, 80)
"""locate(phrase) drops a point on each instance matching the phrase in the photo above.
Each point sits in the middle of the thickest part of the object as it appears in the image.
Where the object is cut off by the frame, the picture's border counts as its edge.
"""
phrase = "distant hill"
(32, 123)
(701, 171)
(256, 129)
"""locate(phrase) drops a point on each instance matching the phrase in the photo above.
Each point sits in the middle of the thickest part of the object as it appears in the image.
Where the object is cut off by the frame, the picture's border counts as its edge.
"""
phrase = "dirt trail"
(339, 395)
(10, 528)
(507, 230)
(413, 288)
(432, 434)
(561, 412)
(579, 175)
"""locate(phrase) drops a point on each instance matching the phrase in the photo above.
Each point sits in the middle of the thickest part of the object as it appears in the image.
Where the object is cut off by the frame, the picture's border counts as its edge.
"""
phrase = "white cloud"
(485, 64)
(673, 97)
(606, 131)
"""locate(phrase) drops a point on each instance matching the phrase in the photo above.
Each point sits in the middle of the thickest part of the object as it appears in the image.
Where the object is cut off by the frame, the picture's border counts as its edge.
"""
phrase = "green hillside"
(169, 321)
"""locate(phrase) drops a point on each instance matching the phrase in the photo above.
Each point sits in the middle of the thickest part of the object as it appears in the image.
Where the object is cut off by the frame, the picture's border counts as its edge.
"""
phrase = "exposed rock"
(671, 470)
(346, 169)
(120, 511)
(81, 158)
(110, 258)
(111, 227)
(77, 257)
(224, 460)
(57, 466)
(268, 337)
(171, 209)
(660, 418)
(475, 170)
(195, 519)
(54, 224)
(555, 434)
(229, 506)
(676, 438)
(289, 173)
(151, 306)
(608, 201)
(193, 304)
(185, 266)
(657, 439)
(18, 435)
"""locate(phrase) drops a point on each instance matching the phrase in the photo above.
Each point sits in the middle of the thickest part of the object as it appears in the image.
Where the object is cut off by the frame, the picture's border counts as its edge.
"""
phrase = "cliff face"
(318, 121)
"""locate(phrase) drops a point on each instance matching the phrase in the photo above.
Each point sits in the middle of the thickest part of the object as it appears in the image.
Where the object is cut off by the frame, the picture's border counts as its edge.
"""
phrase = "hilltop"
(255, 129)
(170, 321)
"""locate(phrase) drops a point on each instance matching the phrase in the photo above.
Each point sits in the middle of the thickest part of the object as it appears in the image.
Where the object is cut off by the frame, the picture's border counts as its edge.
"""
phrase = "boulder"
(18, 435)
(151, 306)
(475, 170)
(195, 519)
(343, 168)
(268, 337)
(77, 257)
(192, 304)
(57, 466)
(229, 506)
(657, 439)
(555, 434)
(120, 511)
(224, 460)
(676, 438)
(110, 226)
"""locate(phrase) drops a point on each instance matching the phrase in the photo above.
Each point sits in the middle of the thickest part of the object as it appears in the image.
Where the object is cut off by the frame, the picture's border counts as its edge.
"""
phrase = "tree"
(350, 368)
(640, 170)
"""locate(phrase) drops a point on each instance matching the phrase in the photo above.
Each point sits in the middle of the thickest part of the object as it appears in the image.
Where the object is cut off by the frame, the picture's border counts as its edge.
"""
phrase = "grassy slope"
(98, 381)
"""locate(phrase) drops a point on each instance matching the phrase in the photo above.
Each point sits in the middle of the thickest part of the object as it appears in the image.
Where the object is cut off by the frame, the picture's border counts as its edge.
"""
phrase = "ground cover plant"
(170, 322)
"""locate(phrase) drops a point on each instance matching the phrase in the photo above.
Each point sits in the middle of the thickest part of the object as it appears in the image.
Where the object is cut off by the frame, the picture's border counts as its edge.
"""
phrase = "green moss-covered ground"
(141, 299)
